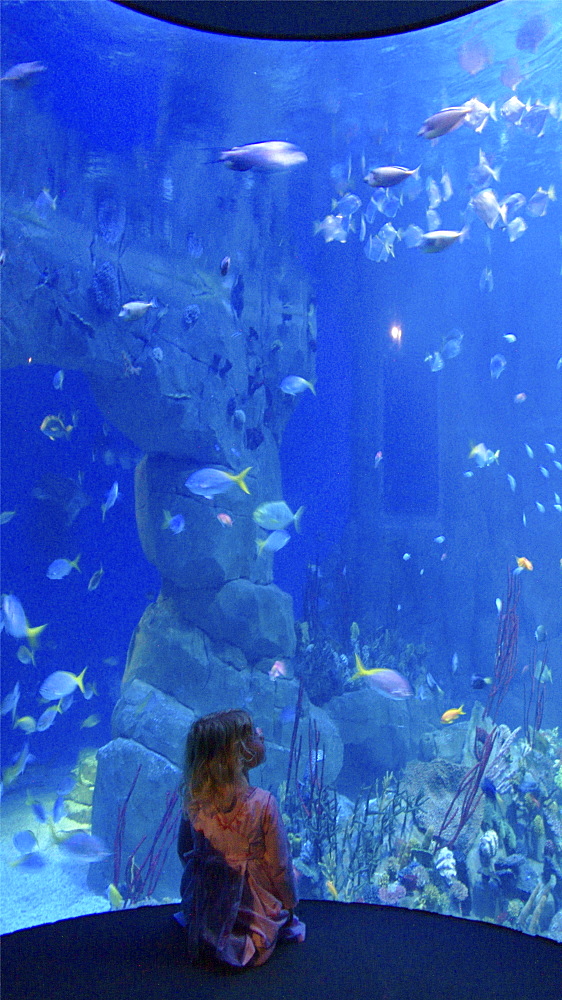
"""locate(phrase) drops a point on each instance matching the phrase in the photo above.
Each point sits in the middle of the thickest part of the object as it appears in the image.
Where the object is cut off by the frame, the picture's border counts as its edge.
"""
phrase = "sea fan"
(111, 217)
(105, 288)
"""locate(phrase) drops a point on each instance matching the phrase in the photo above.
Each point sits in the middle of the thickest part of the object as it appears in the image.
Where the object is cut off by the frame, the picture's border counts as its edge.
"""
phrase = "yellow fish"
(115, 898)
(55, 429)
(331, 889)
(27, 723)
(451, 714)
(90, 722)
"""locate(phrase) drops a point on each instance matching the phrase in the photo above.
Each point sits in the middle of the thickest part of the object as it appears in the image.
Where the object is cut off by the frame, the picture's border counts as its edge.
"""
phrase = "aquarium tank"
(282, 430)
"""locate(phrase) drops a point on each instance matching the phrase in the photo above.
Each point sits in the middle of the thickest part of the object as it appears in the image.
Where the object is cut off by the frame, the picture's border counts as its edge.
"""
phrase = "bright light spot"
(396, 334)
(29, 360)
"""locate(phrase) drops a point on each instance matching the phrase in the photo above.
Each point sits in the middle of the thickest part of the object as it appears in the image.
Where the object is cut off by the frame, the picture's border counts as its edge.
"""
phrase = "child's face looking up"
(257, 747)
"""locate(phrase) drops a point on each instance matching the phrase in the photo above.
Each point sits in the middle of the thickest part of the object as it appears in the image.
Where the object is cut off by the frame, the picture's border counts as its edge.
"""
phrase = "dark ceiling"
(306, 19)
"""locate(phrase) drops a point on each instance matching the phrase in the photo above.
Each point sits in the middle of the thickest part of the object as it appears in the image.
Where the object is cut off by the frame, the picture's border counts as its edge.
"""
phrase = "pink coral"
(391, 894)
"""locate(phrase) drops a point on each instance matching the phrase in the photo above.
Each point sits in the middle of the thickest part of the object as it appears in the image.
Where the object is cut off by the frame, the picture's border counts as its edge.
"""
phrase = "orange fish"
(451, 714)
(278, 670)
(225, 519)
(522, 564)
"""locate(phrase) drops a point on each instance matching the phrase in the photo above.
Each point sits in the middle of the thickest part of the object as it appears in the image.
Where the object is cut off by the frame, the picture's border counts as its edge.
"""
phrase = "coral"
(190, 316)
(488, 846)
(458, 890)
(445, 864)
(104, 290)
(391, 894)
(514, 908)
(529, 918)
(538, 826)
(433, 899)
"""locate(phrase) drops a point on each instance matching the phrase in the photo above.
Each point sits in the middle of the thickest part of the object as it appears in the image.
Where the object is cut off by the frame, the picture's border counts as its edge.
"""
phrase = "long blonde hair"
(217, 752)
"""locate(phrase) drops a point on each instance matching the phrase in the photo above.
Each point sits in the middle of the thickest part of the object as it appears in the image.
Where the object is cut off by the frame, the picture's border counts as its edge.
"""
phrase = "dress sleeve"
(278, 855)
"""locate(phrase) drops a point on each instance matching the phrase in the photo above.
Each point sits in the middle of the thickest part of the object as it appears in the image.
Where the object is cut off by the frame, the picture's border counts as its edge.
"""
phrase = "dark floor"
(351, 951)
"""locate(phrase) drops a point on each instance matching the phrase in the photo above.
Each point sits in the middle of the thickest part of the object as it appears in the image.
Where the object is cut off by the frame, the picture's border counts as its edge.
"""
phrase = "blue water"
(124, 87)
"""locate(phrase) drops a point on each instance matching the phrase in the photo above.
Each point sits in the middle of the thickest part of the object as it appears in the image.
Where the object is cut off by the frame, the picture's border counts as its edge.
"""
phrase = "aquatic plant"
(533, 705)
(470, 791)
(506, 647)
(140, 881)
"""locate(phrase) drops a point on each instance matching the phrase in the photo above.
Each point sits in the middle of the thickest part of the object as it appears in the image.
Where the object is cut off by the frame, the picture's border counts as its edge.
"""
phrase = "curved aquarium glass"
(282, 430)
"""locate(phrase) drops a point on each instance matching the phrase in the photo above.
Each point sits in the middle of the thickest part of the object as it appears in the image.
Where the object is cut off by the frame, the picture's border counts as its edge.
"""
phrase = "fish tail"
(33, 635)
(75, 562)
(103, 511)
(359, 668)
(464, 234)
(167, 519)
(297, 518)
(552, 192)
(492, 111)
(311, 387)
(240, 479)
(79, 682)
(497, 457)
(260, 542)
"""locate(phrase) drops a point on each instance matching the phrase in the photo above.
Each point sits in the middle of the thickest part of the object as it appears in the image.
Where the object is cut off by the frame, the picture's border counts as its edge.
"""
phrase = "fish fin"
(297, 518)
(240, 479)
(75, 562)
(33, 634)
(492, 111)
(79, 682)
(167, 518)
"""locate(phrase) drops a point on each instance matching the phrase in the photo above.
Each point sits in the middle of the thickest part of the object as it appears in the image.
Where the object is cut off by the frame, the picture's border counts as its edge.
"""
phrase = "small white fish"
(440, 539)
(292, 385)
(135, 310)
(487, 280)
(511, 482)
(550, 448)
(557, 464)
(540, 507)
(422, 571)
(468, 475)
(454, 663)
(58, 379)
(499, 605)
(544, 471)
(529, 451)
(406, 556)
(10, 702)
(110, 500)
(510, 337)
(446, 186)
(524, 519)
(558, 507)
(559, 364)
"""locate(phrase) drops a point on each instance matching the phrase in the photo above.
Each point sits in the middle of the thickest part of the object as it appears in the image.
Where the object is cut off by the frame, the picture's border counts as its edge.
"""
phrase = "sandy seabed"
(59, 889)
